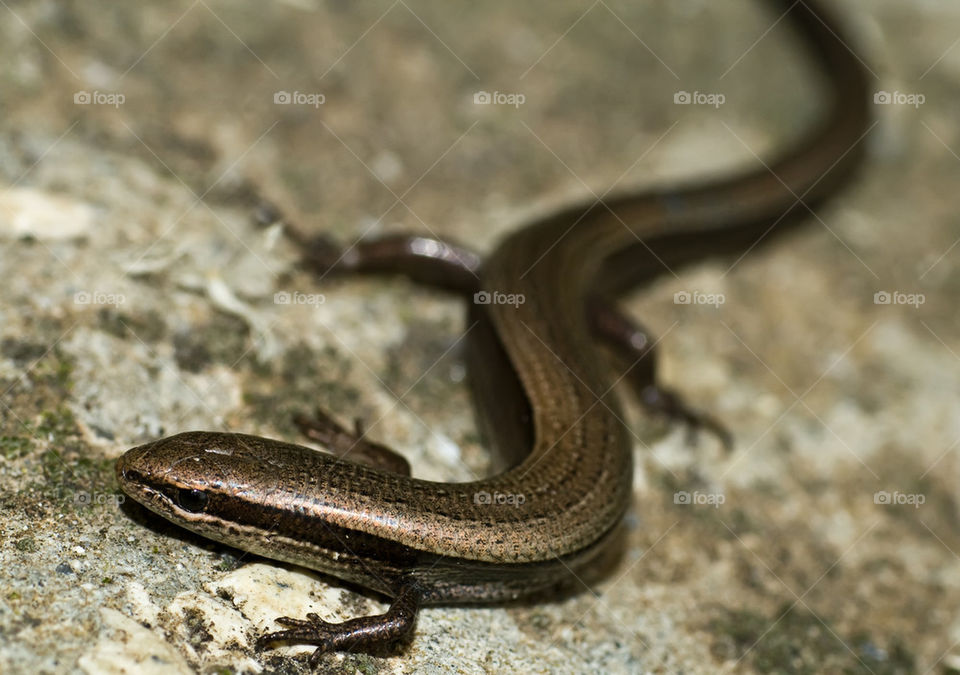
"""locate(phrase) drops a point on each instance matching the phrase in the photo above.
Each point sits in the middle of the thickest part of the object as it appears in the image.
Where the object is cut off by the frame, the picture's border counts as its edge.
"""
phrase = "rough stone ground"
(138, 300)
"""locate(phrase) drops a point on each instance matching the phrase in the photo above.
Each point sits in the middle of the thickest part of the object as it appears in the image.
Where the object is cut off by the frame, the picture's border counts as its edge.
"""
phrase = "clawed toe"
(295, 623)
(668, 403)
(313, 630)
(359, 633)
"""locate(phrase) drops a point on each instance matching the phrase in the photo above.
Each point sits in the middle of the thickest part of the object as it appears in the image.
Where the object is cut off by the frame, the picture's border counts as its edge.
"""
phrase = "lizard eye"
(192, 500)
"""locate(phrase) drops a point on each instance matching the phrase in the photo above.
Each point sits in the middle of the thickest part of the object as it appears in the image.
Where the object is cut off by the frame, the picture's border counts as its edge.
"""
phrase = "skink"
(540, 385)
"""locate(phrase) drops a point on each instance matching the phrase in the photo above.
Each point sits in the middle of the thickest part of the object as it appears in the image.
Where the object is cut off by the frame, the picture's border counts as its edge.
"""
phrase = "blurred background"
(147, 154)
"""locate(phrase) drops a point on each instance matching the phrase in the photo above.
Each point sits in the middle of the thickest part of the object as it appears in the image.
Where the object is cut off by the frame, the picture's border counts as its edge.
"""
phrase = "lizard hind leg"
(350, 445)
